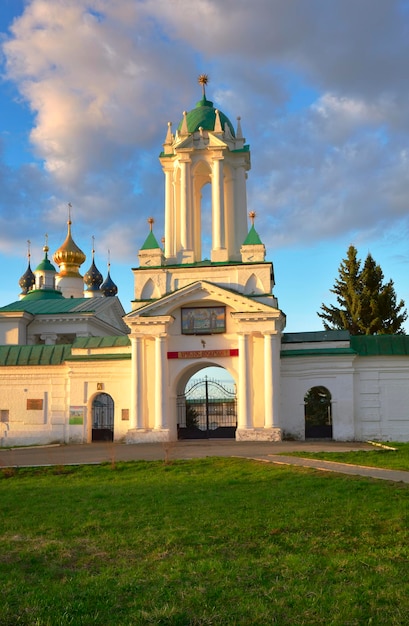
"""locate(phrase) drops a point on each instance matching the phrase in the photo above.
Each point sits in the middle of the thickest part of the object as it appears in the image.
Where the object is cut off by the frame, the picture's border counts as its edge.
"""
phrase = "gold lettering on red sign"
(200, 354)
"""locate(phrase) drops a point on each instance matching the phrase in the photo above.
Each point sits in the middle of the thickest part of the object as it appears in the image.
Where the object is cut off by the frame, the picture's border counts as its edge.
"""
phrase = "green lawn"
(202, 542)
(397, 459)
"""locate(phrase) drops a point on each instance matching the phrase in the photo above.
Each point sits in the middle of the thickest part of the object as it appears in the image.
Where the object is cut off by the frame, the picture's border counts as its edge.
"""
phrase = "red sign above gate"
(202, 354)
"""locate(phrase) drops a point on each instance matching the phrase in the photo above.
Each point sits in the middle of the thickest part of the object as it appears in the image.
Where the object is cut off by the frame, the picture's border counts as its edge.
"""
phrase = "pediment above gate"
(203, 293)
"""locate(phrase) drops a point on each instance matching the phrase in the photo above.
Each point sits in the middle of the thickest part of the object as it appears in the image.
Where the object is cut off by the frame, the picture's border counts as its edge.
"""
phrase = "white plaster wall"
(299, 374)
(370, 395)
(382, 398)
(114, 378)
(17, 385)
(12, 331)
(60, 387)
(169, 279)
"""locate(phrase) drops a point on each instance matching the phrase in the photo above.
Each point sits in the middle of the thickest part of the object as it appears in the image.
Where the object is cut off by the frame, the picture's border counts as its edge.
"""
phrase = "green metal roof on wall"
(150, 242)
(50, 306)
(57, 355)
(381, 345)
(318, 352)
(204, 116)
(252, 238)
(113, 341)
(316, 335)
(362, 345)
(33, 355)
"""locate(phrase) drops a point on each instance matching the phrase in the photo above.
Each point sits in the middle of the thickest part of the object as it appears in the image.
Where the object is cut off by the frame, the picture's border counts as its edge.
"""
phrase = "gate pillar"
(136, 416)
(244, 415)
(160, 379)
(271, 380)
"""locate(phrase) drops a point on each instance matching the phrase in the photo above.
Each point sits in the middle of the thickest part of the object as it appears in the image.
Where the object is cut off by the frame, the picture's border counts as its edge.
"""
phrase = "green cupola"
(151, 254)
(253, 250)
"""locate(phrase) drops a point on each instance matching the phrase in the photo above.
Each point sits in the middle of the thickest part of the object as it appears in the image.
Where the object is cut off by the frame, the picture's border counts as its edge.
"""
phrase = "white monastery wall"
(299, 374)
(381, 401)
(36, 403)
(32, 400)
(370, 395)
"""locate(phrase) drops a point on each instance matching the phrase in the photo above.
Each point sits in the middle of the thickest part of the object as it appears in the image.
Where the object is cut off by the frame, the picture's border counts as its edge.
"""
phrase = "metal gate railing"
(103, 418)
(207, 410)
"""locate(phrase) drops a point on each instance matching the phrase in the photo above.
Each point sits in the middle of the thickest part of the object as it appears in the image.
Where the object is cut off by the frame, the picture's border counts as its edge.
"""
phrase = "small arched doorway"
(102, 418)
(207, 408)
(318, 414)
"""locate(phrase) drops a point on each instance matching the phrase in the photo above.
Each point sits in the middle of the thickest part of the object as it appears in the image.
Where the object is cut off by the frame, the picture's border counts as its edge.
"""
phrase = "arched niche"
(150, 290)
(253, 285)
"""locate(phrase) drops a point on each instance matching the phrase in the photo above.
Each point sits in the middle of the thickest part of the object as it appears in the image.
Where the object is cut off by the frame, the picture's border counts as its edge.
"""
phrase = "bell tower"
(178, 294)
(205, 149)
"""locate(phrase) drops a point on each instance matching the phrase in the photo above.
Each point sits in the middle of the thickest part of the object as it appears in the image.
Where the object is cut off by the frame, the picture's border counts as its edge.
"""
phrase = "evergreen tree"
(347, 288)
(366, 305)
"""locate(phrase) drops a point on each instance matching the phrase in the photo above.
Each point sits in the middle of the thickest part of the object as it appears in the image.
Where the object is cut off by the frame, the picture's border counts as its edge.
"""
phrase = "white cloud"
(97, 85)
(103, 78)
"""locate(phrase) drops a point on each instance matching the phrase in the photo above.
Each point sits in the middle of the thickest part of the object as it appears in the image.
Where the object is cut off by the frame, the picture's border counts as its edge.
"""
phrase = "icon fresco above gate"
(203, 320)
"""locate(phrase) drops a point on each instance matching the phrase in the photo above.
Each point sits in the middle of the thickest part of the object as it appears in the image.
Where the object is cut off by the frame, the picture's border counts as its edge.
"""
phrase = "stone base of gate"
(139, 435)
(259, 434)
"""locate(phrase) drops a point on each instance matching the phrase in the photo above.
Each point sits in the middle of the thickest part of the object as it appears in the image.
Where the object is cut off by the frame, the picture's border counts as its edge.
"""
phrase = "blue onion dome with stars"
(108, 287)
(28, 279)
(93, 277)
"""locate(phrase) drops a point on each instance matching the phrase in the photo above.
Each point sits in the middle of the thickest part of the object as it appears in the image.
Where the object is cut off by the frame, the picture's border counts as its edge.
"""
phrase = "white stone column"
(184, 225)
(271, 380)
(218, 236)
(169, 216)
(276, 383)
(244, 415)
(49, 338)
(160, 382)
(240, 204)
(197, 223)
(268, 381)
(136, 412)
(233, 249)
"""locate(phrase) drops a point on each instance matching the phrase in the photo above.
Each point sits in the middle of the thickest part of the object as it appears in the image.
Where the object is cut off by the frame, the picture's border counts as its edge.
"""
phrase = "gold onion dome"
(69, 257)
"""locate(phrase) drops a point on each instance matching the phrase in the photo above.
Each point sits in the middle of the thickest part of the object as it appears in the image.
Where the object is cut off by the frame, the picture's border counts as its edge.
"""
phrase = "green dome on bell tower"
(204, 114)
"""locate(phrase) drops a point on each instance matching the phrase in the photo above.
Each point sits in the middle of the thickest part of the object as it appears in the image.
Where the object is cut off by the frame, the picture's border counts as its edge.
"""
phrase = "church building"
(75, 368)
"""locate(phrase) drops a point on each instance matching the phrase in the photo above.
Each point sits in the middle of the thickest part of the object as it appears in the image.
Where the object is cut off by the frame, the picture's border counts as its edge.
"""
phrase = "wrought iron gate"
(318, 414)
(102, 418)
(207, 410)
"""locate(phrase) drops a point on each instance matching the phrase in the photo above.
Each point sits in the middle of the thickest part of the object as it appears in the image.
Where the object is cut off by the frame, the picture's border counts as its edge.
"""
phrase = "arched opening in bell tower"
(202, 211)
(206, 221)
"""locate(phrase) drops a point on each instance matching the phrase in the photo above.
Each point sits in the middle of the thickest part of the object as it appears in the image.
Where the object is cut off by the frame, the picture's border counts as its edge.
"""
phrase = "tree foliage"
(366, 304)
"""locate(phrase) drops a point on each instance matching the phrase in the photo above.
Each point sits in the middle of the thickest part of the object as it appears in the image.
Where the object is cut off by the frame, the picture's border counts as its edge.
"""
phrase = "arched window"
(102, 418)
(318, 414)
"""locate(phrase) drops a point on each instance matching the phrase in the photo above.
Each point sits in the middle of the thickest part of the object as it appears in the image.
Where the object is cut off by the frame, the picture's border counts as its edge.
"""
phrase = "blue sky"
(87, 88)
